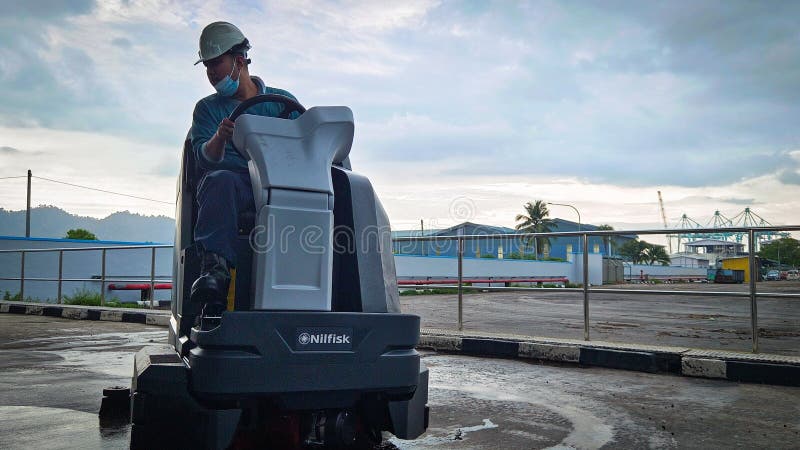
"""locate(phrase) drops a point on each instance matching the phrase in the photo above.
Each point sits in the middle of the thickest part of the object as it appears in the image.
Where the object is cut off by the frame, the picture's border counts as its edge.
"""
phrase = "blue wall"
(489, 246)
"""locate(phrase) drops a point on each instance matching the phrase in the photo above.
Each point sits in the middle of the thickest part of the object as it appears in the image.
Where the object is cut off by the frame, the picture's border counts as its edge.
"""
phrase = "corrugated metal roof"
(712, 242)
(413, 233)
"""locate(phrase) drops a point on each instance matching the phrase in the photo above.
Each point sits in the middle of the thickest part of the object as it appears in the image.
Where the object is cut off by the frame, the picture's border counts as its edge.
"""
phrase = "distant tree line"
(80, 233)
(642, 252)
(536, 219)
(784, 251)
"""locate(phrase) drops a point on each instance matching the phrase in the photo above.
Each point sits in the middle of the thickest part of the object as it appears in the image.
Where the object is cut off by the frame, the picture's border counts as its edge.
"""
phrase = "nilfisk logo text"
(323, 338)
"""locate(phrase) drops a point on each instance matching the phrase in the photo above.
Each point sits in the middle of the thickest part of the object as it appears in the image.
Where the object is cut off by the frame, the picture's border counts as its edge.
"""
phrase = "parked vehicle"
(773, 275)
(793, 275)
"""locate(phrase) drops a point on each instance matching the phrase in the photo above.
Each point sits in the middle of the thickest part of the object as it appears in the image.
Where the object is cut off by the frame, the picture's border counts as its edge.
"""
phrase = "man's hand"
(215, 147)
(225, 130)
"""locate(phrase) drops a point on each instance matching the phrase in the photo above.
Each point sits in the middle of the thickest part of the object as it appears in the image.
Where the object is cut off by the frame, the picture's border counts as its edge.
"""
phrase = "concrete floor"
(52, 372)
(719, 323)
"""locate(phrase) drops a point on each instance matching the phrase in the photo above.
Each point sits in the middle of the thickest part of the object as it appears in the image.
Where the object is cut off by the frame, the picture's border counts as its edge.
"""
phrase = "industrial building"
(711, 250)
(504, 248)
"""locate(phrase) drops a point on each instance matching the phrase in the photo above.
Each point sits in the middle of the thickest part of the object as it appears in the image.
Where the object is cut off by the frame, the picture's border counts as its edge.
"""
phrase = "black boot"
(211, 288)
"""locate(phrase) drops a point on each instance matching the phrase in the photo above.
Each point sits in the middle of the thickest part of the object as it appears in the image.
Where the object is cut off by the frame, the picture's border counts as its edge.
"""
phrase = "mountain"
(53, 222)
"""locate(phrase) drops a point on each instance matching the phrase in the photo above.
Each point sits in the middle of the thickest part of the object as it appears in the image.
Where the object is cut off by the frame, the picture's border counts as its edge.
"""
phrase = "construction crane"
(746, 218)
(664, 217)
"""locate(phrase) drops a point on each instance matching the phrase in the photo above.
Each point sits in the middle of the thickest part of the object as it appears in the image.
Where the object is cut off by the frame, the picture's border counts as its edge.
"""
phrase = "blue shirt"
(209, 112)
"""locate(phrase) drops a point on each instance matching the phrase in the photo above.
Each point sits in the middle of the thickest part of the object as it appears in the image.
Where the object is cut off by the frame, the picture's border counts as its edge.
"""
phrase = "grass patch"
(85, 297)
(115, 304)
(18, 298)
(80, 297)
(517, 255)
(14, 298)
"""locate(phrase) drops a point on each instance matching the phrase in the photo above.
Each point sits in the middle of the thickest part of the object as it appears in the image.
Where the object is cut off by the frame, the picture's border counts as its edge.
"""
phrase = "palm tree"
(656, 254)
(608, 241)
(634, 250)
(535, 221)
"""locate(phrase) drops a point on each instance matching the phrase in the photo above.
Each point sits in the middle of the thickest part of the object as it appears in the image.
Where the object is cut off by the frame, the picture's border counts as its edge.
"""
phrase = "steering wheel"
(290, 105)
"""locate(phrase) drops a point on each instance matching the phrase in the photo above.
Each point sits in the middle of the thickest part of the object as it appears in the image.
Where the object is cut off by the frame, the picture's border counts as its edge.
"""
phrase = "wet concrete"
(546, 406)
(52, 372)
(718, 323)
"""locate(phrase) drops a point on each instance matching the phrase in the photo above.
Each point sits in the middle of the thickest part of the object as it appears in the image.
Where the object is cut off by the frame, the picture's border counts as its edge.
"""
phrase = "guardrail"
(152, 280)
(585, 289)
(752, 232)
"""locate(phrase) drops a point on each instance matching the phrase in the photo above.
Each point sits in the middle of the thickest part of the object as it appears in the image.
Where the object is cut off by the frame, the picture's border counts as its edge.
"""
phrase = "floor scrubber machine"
(313, 351)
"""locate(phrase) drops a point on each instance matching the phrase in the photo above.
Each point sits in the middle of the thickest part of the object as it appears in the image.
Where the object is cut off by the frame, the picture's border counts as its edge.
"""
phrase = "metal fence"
(586, 289)
(103, 279)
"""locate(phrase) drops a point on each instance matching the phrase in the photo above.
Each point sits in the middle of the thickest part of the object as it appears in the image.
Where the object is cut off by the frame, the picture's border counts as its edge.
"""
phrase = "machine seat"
(246, 221)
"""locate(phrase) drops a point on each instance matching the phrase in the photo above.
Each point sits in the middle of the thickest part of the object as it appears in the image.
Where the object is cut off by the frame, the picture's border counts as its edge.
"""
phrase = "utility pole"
(28, 211)
(664, 218)
(422, 233)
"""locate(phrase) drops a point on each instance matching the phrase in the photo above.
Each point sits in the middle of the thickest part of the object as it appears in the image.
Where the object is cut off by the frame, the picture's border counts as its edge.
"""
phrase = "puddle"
(458, 434)
(66, 428)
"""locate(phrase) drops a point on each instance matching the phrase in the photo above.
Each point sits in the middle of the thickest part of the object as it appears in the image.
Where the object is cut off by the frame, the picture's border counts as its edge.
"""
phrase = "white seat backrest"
(290, 170)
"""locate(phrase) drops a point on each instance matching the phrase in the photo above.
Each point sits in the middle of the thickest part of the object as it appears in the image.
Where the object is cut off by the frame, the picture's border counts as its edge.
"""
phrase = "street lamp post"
(576, 212)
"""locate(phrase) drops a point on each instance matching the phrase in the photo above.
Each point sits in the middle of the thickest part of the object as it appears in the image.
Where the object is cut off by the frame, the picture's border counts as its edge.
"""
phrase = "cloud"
(45, 9)
(122, 43)
(741, 201)
(744, 49)
(15, 152)
(789, 177)
(697, 97)
(603, 95)
(705, 199)
(415, 138)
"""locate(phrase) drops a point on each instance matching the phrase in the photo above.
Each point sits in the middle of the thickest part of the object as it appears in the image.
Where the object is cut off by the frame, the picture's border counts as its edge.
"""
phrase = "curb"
(725, 365)
(160, 318)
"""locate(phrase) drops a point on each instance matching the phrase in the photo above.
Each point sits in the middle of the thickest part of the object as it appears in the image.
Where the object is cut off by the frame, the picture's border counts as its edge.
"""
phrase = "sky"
(464, 110)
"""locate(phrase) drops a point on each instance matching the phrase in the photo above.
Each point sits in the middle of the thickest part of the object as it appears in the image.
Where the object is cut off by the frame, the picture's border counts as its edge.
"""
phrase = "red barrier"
(138, 286)
(146, 286)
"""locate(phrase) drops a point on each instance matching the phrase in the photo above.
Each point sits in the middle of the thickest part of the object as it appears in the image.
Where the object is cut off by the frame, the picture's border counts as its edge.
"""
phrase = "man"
(225, 188)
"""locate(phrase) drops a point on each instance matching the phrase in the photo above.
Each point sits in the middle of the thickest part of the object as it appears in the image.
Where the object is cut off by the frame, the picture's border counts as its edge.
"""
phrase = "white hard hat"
(218, 38)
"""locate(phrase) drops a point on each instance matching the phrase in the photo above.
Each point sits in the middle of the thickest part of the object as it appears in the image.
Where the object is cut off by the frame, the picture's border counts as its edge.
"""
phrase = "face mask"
(227, 87)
